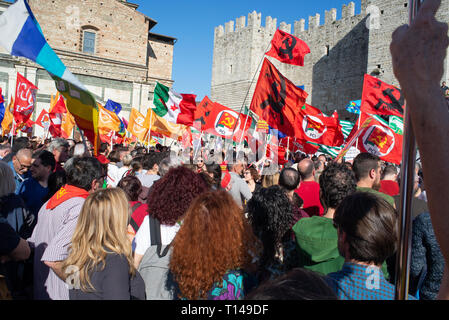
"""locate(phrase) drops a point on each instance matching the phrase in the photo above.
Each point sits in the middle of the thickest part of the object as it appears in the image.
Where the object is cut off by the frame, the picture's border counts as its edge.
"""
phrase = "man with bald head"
(309, 189)
(20, 165)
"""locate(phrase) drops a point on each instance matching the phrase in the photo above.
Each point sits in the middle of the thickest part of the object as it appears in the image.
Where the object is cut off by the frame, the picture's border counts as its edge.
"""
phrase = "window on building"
(89, 42)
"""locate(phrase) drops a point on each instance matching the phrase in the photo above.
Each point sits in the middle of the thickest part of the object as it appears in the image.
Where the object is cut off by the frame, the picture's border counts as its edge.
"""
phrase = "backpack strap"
(155, 235)
(133, 222)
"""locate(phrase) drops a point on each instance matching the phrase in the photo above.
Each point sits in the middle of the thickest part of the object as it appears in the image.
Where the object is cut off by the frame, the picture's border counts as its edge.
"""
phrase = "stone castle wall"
(342, 51)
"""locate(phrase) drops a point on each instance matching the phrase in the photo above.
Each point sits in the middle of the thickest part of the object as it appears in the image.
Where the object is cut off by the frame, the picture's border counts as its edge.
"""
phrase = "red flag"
(381, 98)
(277, 100)
(288, 49)
(187, 138)
(60, 106)
(44, 119)
(318, 128)
(221, 121)
(276, 153)
(27, 127)
(378, 139)
(56, 122)
(382, 141)
(25, 99)
(303, 146)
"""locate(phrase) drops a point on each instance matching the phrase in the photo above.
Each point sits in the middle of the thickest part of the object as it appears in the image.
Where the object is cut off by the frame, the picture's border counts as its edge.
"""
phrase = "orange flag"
(68, 123)
(8, 118)
(108, 121)
(137, 126)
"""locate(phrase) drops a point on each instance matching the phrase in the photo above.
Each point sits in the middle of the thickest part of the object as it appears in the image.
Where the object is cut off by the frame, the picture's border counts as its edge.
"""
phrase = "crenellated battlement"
(254, 19)
(344, 45)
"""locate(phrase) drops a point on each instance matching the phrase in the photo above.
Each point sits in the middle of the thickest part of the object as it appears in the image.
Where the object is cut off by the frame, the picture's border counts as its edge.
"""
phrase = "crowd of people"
(138, 223)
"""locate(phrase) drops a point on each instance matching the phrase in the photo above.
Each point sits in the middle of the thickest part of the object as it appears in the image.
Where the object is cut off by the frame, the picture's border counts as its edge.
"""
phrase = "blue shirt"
(361, 282)
(32, 194)
(18, 178)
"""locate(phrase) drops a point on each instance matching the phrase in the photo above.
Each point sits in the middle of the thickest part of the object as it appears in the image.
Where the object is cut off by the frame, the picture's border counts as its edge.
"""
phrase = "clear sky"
(193, 22)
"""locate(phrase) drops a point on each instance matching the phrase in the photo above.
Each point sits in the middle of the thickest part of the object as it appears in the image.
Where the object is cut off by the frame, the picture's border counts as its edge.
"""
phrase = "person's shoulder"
(10, 202)
(116, 260)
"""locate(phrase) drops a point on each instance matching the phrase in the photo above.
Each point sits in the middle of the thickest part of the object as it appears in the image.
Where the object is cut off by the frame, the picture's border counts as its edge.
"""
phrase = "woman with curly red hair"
(214, 251)
(168, 201)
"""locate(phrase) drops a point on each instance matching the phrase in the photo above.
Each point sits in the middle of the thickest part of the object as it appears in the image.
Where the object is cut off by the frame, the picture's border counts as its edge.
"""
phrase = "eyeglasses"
(22, 166)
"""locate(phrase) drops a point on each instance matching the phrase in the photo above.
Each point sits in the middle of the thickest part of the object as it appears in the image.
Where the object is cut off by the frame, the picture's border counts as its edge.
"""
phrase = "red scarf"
(65, 193)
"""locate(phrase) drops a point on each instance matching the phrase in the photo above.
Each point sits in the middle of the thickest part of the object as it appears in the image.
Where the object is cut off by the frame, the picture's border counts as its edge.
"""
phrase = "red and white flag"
(25, 99)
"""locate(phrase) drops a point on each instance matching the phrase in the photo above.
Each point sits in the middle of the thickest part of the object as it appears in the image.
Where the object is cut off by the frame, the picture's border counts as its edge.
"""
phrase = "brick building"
(107, 44)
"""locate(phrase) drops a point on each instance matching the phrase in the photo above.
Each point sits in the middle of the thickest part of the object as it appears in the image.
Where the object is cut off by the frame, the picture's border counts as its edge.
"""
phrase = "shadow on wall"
(338, 75)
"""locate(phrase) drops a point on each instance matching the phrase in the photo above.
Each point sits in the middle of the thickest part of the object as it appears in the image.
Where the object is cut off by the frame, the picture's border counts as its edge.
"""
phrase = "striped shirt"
(51, 239)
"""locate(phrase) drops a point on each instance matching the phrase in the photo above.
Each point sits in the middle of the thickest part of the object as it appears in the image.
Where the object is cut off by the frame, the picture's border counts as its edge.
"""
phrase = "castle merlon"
(254, 21)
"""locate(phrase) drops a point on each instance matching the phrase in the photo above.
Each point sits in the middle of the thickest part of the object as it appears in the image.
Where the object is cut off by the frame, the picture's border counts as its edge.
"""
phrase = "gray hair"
(7, 183)
(80, 150)
(127, 159)
(167, 163)
(57, 144)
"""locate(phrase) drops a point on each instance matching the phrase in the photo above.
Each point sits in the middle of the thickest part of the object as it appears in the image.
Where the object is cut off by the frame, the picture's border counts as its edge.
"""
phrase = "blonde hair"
(7, 183)
(101, 229)
(270, 180)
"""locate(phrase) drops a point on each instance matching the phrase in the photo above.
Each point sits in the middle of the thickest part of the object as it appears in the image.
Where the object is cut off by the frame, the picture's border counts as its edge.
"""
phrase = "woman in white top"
(168, 202)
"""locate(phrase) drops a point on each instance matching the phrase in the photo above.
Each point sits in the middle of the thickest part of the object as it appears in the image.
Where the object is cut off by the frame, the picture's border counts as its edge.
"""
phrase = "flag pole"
(149, 130)
(196, 152)
(358, 127)
(13, 128)
(243, 129)
(249, 89)
(84, 139)
(407, 181)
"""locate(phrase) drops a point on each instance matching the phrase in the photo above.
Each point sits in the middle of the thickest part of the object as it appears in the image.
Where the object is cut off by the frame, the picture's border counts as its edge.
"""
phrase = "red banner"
(381, 98)
(318, 128)
(25, 99)
(221, 121)
(288, 49)
(376, 138)
(277, 100)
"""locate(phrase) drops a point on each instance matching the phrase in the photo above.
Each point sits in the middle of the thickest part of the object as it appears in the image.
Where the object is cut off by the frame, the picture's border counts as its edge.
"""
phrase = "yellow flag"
(137, 126)
(107, 121)
(53, 101)
(164, 127)
(8, 118)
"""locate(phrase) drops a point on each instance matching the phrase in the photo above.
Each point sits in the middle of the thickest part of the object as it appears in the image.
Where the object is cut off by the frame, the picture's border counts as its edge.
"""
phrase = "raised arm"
(418, 53)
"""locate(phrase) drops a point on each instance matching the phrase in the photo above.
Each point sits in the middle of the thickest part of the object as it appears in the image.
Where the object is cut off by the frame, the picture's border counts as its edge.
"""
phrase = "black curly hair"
(336, 183)
(170, 196)
(270, 214)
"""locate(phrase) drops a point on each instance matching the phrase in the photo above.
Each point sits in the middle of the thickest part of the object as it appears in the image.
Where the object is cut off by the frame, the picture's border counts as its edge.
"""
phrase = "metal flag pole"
(407, 181)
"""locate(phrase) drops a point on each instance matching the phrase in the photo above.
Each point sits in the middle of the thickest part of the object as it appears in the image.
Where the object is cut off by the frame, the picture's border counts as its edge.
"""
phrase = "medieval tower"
(342, 51)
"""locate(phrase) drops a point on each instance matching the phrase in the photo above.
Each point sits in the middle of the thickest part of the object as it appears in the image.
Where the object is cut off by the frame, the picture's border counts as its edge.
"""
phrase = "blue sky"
(193, 22)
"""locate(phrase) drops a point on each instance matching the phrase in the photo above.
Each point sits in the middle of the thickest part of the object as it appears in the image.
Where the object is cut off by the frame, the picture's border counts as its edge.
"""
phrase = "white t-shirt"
(142, 240)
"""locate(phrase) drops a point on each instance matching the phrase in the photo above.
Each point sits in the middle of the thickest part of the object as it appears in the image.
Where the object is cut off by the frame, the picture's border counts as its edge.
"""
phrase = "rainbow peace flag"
(22, 36)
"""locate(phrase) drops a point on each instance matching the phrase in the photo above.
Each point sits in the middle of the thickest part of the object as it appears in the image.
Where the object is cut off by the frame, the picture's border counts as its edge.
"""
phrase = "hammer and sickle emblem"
(276, 100)
(228, 122)
(288, 50)
(396, 104)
